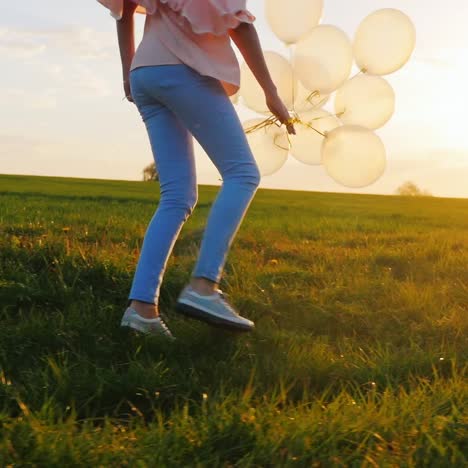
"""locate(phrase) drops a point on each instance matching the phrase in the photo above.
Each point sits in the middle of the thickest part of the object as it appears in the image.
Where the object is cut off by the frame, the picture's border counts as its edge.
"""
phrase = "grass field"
(359, 357)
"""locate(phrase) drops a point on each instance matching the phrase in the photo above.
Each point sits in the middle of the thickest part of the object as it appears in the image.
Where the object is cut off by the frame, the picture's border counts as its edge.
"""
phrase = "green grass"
(359, 357)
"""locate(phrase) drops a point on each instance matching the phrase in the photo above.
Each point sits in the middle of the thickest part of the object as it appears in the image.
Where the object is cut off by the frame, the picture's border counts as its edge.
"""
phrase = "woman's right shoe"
(213, 309)
(155, 326)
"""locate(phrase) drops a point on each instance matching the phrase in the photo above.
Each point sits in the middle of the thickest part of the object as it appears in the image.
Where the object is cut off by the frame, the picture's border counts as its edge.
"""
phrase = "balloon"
(292, 19)
(353, 156)
(305, 100)
(307, 143)
(365, 100)
(384, 42)
(323, 59)
(282, 74)
(269, 145)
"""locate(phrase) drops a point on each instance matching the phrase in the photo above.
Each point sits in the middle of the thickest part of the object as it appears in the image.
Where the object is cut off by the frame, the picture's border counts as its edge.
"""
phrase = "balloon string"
(281, 147)
(312, 95)
(291, 61)
(272, 120)
(320, 103)
(310, 98)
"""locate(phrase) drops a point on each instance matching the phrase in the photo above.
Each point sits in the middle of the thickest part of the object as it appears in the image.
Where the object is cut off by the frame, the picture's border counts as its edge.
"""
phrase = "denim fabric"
(175, 102)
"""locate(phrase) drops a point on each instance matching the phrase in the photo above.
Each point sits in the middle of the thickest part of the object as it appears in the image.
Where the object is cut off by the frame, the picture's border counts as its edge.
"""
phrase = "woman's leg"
(172, 148)
(204, 108)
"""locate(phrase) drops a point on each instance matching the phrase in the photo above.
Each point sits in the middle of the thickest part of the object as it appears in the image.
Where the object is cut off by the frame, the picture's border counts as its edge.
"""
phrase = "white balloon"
(365, 100)
(384, 41)
(292, 19)
(269, 145)
(306, 145)
(282, 75)
(323, 59)
(353, 156)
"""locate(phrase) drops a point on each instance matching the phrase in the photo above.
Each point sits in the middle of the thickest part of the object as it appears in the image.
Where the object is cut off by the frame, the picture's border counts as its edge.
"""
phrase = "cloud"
(11, 93)
(18, 146)
(433, 159)
(43, 99)
(83, 42)
(19, 44)
(67, 63)
(80, 42)
(46, 99)
(87, 81)
(54, 70)
(54, 83)
(77, 79)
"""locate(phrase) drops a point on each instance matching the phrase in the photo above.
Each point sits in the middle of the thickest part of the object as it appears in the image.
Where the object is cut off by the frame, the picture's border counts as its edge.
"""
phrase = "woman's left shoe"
(155, 326)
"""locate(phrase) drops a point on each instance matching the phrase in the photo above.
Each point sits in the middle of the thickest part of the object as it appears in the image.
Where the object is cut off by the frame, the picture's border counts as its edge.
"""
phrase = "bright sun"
(439, 100)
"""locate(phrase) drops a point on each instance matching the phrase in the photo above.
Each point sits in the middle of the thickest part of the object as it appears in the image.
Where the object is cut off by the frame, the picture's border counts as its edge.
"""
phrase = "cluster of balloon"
(321, 62)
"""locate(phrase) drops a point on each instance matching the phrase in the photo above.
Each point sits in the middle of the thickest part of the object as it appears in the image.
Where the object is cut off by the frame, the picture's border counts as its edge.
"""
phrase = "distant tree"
(410, 189)
(150, 173)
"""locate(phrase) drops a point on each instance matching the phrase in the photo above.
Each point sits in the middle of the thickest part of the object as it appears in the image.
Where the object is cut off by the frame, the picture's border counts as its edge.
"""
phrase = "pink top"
(193, 32)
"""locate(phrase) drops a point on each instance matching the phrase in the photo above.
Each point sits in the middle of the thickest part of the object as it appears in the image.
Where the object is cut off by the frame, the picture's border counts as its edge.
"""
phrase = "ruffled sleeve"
(202, 16)
(115, 7)
(210, 16)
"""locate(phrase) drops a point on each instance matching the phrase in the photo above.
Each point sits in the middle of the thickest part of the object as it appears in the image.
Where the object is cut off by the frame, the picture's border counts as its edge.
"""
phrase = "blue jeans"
(175, 102)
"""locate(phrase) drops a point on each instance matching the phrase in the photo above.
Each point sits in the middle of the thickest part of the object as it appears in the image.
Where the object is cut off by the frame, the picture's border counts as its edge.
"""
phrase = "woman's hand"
(127, 90)
(280, 111)
(246, 39)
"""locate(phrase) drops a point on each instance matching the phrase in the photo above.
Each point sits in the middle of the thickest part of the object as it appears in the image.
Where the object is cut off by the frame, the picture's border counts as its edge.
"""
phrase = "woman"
(180, 78)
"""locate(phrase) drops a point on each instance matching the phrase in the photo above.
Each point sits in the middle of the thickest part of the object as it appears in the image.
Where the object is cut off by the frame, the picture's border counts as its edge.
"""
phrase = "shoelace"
(223, 296)
(164, 327)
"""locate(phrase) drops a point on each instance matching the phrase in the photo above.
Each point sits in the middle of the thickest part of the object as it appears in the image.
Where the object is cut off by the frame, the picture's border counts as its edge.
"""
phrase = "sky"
(62, 112)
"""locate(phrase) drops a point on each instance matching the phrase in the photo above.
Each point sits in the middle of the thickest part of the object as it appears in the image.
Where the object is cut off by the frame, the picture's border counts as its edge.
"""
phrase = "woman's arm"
(126, 36)
(247, 41)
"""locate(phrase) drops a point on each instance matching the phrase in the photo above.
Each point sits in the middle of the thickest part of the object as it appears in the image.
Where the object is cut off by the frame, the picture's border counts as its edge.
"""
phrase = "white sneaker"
(155, 326)
(212, 309)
